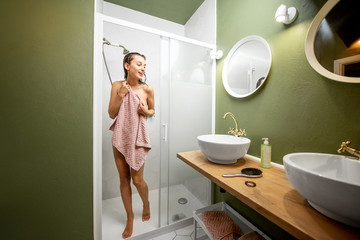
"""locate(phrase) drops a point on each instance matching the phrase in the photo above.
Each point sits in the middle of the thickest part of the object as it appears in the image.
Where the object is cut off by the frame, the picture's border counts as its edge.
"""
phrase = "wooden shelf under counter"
(273, 197)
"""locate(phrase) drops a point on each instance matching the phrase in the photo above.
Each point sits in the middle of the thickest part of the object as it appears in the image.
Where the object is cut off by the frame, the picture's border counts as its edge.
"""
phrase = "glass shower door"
(181, 75)
(187, 115)
(113, 211)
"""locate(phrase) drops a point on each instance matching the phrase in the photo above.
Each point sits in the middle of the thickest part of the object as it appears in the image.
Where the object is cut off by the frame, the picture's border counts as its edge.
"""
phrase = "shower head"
(125, 51)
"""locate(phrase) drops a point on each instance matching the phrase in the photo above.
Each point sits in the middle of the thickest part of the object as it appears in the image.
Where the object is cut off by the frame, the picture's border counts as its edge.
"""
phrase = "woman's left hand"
(143, 110)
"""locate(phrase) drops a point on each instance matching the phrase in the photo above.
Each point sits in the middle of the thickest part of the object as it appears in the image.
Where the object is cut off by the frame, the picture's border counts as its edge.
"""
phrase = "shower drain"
(182, 200)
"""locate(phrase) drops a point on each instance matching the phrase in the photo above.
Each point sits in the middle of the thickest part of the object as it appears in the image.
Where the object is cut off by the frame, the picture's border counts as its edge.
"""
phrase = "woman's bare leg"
(125, 190)
(141, 186)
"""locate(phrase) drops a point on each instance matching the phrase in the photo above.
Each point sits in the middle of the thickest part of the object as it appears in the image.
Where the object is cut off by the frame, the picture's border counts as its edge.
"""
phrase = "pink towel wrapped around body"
(130, 135)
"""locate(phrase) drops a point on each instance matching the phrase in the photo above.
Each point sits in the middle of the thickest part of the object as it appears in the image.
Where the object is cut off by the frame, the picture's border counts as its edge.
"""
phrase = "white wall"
(98, 6)
(202, 25)
(130, 15)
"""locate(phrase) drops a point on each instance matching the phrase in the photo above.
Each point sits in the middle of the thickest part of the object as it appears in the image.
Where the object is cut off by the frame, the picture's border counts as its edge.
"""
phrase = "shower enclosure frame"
(99, 20)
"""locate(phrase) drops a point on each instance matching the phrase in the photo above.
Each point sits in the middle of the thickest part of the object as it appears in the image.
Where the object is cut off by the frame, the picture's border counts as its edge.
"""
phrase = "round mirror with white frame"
(246, 66)
(332, 45)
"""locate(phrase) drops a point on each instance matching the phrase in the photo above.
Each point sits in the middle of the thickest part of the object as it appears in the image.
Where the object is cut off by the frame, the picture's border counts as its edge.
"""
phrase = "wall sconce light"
(216, 54)
(285, 15)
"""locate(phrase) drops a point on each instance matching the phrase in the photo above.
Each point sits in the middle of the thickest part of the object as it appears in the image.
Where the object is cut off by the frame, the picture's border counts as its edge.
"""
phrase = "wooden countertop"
(273, 197)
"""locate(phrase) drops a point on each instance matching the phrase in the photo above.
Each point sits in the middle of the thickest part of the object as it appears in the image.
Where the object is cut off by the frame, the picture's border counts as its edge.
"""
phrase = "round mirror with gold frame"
(332, 44)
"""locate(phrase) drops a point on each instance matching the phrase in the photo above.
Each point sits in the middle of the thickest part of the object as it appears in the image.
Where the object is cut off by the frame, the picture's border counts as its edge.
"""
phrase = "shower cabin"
(182, 74)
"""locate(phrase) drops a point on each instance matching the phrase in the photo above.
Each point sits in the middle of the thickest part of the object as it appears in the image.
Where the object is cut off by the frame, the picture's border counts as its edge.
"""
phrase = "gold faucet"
(237, 132)
(345, 147)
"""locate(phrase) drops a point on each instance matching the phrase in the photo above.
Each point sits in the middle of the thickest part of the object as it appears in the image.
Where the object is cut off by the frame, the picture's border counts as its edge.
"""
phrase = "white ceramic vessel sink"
(330, 183)
(223, 149)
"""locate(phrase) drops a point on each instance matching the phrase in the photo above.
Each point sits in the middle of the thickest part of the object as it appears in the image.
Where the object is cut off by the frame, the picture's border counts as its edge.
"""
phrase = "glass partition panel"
(190, 111)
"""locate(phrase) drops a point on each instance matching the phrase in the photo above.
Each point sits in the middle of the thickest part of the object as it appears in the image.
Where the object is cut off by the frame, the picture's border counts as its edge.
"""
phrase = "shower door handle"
(164, 125)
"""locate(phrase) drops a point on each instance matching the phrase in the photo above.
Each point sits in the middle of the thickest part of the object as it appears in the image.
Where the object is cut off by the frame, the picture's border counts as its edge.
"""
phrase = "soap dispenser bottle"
(266, 154)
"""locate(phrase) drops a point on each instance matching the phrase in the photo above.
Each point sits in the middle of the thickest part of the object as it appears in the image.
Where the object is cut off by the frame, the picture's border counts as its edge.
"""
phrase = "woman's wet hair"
(127, 59)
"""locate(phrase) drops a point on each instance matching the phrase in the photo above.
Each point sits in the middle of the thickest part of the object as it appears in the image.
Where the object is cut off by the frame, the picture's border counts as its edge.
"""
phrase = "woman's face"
(136, 68)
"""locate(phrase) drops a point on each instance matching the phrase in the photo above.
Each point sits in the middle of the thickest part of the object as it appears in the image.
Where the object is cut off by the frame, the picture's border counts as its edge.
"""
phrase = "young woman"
(143, 94)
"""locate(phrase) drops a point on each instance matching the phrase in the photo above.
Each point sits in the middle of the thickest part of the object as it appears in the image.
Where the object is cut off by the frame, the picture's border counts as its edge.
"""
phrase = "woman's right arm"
(118, 91)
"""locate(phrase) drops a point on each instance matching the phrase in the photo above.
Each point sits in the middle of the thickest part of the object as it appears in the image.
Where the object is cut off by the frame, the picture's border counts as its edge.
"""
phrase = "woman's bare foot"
(146, 212)
(128, 228)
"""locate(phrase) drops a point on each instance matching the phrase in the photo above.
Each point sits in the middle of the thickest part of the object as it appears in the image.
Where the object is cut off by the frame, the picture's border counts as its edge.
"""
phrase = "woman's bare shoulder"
(118, 82)
(148, 88)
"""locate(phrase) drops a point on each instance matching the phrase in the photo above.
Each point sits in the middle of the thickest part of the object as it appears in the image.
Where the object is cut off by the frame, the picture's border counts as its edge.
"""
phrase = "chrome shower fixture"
(125, 51)
(105, 41)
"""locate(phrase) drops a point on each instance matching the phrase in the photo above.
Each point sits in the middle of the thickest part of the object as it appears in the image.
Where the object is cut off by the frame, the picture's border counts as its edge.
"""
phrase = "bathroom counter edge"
(273, 197)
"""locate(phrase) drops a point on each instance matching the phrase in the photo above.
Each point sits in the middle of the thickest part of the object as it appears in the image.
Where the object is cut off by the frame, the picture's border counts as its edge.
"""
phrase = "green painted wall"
(178, 11)
(46, 119)
(296, 108)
